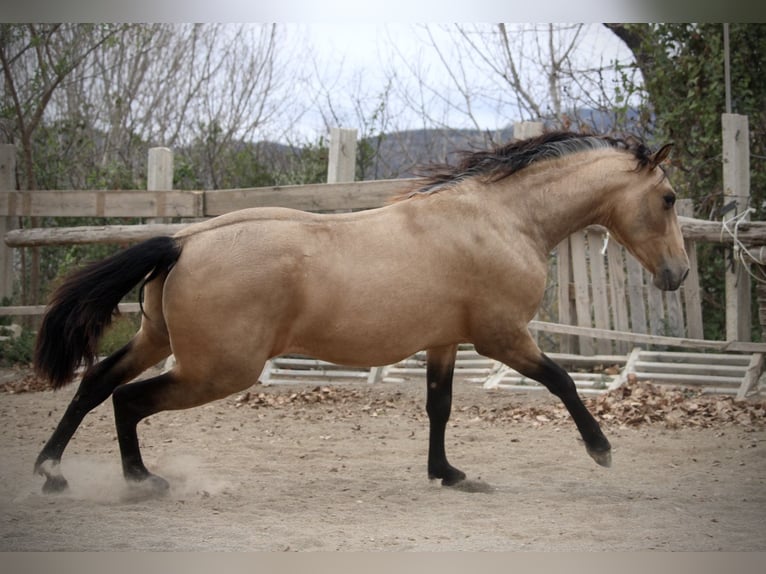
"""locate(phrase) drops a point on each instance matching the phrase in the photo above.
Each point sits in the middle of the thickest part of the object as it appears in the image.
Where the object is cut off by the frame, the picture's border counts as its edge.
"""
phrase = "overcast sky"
(347, 51)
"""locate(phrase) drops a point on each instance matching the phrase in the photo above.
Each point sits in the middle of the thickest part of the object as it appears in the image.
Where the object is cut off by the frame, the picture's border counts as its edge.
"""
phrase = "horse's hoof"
(55, 484)
(150, 484)
(454, 480)
(54, 480)
(158, 484)
(602, 457)
(450, 477)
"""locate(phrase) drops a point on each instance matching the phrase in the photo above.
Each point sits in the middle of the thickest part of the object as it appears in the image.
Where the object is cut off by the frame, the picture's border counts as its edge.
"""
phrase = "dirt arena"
(343, 468)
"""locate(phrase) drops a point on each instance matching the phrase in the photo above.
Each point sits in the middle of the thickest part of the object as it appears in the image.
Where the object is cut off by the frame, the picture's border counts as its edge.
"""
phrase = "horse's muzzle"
(670, 278)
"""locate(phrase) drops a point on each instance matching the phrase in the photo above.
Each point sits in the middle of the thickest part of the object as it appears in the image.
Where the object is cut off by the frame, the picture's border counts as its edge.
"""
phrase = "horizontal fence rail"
(754, 234)
(102, 203)
(175, 203)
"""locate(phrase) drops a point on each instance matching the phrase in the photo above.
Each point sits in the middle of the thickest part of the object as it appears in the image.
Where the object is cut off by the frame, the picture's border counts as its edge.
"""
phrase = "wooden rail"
(85, 234)
(32, 310)
(374, 194)
(101, 203)
(176, 203)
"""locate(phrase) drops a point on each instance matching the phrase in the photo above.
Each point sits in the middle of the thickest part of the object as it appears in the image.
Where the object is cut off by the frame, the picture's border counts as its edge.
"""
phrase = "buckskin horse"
(462, 258)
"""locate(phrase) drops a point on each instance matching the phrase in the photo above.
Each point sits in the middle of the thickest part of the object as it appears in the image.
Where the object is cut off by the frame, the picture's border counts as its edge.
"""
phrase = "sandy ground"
(344, 469)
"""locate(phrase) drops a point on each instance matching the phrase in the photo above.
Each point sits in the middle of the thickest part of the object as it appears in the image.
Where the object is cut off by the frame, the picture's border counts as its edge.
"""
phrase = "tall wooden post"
(159, 176)
(736, 190)
(341, 164)
(159, 172)
(7, 223)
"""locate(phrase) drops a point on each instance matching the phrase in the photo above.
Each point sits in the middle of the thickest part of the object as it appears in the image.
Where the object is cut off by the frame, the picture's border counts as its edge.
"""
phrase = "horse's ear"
(660, 155)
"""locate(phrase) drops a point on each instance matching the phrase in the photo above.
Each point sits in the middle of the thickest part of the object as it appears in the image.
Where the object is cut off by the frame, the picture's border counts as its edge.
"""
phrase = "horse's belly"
(375, 337)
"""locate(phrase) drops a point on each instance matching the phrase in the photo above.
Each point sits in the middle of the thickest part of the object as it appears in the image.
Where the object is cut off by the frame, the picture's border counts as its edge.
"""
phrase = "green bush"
(119, 333)
(16, 351)
(19, 351)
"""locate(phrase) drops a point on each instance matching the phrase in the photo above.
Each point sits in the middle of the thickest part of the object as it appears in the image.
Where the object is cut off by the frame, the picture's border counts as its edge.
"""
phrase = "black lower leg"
(133, 403)
(558, 382)
(438, 406)
(96, 386)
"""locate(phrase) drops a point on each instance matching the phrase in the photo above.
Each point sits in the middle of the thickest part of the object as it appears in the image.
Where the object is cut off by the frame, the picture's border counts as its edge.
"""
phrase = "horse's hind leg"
(440, 366)
(169, 391)
(96, 386)
(132, 403)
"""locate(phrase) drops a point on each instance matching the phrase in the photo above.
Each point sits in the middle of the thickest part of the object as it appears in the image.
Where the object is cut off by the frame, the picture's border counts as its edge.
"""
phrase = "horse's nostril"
(668, 280)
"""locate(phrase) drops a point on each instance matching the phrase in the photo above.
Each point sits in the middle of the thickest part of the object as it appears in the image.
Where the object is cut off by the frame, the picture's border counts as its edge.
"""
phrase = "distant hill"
(399, 154)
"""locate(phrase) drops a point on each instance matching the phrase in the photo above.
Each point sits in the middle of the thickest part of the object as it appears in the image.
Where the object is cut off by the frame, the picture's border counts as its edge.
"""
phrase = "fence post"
(7, 223)
(524, 130)
(159, 173)
(341, 164)
(736, 192)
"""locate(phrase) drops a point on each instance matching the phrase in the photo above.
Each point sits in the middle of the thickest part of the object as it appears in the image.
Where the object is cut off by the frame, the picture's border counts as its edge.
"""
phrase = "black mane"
(498, 163)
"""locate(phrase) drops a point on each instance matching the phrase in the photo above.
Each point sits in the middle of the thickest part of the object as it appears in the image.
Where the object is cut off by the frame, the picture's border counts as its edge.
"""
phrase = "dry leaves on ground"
(633, 404)
(22, 381)
(637, 403)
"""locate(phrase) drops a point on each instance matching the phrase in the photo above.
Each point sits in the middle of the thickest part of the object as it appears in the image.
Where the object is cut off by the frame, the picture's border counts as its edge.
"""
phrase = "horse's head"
(643, 219)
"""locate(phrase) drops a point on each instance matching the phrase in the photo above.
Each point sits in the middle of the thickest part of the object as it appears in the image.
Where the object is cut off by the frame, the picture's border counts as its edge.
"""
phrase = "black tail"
(82, 307)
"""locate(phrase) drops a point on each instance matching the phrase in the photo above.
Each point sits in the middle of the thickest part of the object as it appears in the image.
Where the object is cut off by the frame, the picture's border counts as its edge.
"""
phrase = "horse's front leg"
(440, 365)
(558, 382)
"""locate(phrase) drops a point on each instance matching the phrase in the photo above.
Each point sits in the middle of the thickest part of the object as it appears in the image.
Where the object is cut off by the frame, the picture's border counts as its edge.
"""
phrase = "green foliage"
(684, 83)
(185, 175)
(304, 164)
(712, 260)
(68, 155)
(17, 350)
(684, 96)
(209, 163)
(234, 166)
(119, 333)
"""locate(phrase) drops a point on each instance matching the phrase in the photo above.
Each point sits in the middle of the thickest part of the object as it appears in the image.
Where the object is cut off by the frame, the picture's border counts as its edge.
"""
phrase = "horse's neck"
(552, 205)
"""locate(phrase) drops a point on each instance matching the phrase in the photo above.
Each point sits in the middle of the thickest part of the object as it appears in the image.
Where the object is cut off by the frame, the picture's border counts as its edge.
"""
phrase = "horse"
(461, 257)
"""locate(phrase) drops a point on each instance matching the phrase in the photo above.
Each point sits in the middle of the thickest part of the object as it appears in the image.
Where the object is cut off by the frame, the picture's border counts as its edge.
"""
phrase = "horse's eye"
(669, 199)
